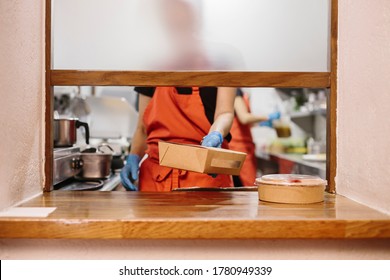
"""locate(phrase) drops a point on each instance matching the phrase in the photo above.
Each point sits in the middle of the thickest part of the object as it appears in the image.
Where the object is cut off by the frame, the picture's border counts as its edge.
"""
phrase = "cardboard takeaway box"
(200, 159)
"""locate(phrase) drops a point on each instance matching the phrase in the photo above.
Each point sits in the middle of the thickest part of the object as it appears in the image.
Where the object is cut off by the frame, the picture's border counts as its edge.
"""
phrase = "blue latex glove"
(271, 117)
(266, 124)
(213, 139)
(274, 116)
(129, 173)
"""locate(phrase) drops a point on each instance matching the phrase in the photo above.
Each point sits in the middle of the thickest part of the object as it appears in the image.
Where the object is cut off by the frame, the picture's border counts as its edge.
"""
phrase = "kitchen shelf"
(297, 158)
(295, 115)
(319, 166)
(193, 215)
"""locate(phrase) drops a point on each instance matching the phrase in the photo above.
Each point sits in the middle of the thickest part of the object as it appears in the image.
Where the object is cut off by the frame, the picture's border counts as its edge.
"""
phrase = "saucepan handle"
(86, 127)
(105, 145)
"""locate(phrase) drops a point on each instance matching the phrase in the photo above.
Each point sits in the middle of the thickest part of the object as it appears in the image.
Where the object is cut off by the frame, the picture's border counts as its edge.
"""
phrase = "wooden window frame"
(193, 78)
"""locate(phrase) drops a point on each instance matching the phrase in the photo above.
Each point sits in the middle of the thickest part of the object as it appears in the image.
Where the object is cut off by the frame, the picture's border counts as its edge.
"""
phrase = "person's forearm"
(138, 144)
(249, 118)
(224, 111)
(223, 123)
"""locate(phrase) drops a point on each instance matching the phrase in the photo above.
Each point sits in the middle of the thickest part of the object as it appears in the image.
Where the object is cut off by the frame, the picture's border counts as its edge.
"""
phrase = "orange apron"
(242, 141)
(179, 118)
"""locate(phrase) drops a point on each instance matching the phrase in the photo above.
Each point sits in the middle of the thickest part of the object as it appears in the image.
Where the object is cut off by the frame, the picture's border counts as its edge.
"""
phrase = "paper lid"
(290, 180)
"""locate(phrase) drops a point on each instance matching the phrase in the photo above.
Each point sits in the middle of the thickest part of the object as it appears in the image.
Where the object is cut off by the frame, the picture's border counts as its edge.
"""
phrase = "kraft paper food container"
(200, 159)
(291, 188)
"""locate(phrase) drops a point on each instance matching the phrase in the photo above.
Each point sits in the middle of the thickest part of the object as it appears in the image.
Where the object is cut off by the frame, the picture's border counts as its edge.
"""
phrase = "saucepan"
(65, 134)
(96, 164)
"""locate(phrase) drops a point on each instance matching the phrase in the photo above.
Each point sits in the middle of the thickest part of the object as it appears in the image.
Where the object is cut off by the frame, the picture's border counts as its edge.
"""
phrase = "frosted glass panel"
(253, 35)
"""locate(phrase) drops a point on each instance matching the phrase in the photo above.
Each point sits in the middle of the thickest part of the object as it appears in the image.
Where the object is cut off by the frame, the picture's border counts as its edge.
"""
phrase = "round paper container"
(291, 188)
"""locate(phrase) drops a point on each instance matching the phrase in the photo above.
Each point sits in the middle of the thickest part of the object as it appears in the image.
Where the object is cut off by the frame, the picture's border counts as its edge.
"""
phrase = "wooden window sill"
(188, 215)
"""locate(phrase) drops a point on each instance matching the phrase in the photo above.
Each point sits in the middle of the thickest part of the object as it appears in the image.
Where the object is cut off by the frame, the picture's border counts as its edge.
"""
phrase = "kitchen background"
(111, 113)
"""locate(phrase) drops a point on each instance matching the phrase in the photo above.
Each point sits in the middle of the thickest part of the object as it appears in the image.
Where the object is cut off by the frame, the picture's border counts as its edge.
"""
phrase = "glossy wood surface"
(178, 215)
(195, 78)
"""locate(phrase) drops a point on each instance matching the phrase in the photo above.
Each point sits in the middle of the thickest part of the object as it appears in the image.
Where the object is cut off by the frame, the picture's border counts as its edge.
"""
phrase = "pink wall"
(194, 249)
(21, 68)
(363, 117)
(364, 65)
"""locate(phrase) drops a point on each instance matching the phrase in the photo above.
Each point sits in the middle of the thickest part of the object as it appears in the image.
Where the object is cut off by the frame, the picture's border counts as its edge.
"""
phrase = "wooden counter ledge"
(183, 215)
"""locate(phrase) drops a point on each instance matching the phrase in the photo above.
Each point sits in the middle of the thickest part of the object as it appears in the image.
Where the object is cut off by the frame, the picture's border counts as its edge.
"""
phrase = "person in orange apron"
(242, 140)
(181, 115)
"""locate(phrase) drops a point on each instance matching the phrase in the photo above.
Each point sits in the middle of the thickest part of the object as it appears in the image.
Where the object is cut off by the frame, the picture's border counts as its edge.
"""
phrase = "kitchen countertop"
(297, 158)
(186, 215)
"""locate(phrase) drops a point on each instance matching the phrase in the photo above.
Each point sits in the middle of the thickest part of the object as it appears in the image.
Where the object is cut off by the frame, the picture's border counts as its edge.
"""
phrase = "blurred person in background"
(242, 140)
(187, 115)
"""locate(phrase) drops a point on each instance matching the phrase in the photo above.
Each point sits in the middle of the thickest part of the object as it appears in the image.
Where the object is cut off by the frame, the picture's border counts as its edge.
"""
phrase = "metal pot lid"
(106, 149)
(103, 149)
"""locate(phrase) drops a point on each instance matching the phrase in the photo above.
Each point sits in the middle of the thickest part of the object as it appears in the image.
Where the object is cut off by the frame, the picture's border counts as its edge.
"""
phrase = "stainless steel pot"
(96, 165)
(65, 134)
(117, 160)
